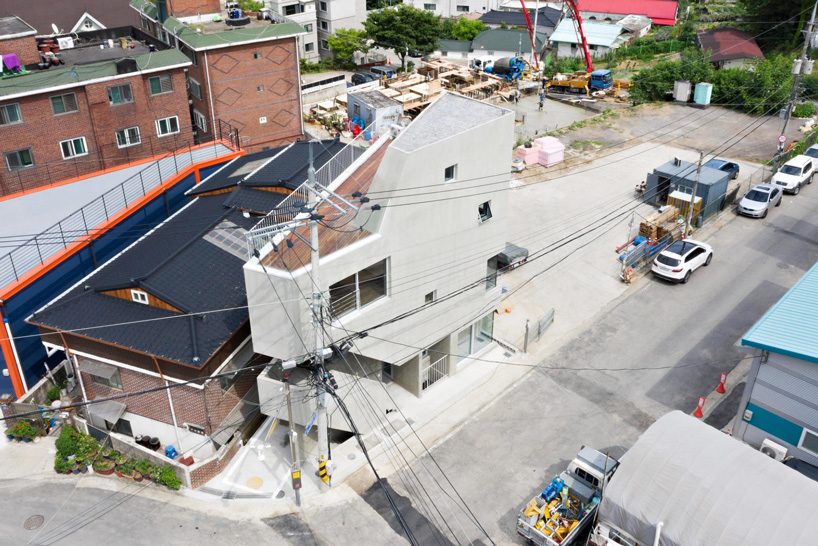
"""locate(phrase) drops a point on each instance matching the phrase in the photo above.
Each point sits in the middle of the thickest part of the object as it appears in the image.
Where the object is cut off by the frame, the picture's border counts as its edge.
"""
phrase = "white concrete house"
(435, 260)
(304, 13)
(602, 38)
(455, 8)
(335, 14)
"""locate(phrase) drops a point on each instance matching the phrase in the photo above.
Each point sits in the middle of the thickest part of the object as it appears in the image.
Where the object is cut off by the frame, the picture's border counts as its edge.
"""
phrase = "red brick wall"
(25, 48)
(235, 75)
(184, 8)
(208, 471)
(97, 121)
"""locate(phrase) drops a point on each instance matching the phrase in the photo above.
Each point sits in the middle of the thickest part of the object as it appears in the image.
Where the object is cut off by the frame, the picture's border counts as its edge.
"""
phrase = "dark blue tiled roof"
(548, 17)
(289, 170)
(234, 172)
(253, 200)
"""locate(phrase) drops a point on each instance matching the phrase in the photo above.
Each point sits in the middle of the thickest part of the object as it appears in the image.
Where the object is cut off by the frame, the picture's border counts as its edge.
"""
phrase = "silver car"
(759, 200)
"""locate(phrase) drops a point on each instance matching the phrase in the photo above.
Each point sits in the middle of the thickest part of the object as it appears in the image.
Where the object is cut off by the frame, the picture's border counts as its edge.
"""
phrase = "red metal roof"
(660, 12)
(727, 44)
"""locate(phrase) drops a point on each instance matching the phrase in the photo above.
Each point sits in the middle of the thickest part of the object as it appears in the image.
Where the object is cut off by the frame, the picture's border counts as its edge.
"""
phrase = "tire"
(764, 215)
(708, 260)
(797, 190)
(686, 278)
(809, 181)
(778, 204)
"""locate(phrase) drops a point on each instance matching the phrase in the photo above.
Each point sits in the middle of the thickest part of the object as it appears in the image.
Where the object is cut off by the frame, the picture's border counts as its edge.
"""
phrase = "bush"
(62, 466)
(53, 393)
(804, 110)
(68, 442)
(23, 429)
(167, 477)
(145, 467)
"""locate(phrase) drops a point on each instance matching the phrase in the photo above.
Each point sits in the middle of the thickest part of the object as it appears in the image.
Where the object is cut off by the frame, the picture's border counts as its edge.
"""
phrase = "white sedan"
(680, 258)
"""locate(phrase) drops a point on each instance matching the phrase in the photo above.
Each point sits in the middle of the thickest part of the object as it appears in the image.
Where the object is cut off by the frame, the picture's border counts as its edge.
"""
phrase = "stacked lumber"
(660, 224)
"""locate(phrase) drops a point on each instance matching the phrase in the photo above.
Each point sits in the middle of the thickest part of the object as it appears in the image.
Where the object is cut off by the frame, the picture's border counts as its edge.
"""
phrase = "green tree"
(467, 29)
(653, 83)
(403, 29)
(763, 14)
(344, 42)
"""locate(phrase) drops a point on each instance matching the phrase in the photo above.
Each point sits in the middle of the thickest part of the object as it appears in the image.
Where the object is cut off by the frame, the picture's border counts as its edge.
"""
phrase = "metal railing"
(293, 205)
(110, 155)
(82, 225)
(433, 373)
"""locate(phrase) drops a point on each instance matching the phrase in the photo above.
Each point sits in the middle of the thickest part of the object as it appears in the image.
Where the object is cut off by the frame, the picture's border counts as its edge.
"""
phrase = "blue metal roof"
(790, 327)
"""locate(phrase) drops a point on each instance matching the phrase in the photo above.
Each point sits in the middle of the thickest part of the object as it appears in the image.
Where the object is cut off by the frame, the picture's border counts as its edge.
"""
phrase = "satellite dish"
(55, 28)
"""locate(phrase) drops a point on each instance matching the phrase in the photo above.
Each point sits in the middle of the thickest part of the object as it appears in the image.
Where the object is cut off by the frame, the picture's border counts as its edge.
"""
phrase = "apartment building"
(335, 14)
(456, 8)
(77, 104)
(244, 69)
(305, 14)
(434, 261)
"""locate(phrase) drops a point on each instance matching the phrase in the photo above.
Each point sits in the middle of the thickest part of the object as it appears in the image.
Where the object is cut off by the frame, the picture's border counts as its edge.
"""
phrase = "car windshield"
(667, 260)
(812, 152)
(790, 169)
(716, 164)
(758, 195)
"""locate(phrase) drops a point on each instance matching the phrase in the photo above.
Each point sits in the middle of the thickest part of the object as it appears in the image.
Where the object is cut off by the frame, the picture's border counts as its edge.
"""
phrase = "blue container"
(170, 452)
(549, 493)
(702, 93)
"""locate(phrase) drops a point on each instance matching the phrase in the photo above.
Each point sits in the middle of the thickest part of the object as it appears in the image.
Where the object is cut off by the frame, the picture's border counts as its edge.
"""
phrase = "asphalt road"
(657, 349)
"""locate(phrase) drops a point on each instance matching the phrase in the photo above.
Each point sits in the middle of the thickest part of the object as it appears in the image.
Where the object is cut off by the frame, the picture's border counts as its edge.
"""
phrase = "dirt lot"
(715, 130)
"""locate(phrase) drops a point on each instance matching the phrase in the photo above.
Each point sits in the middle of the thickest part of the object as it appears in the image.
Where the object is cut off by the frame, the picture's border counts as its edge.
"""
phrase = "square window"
(120, 94)
(113, 380)
(308, 27)
(322, 6)
(324, 45)
(450, 173)
(430, 297)
(10, 114)
(484, 211)
(160, 84)
(256, 55)
(167, 126)
(128, 137)
(139, 296)
(74, 147)
(64, 104)
(463, 9)
(195, 88)
(809, 442)
(324, 25)
(200, 121)
(260, 88)
(309, 46)
(19, 159)
(430, 7)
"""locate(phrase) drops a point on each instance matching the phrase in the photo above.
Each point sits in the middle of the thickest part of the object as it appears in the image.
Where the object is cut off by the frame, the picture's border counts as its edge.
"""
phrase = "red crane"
(532, 37)
(572, 5)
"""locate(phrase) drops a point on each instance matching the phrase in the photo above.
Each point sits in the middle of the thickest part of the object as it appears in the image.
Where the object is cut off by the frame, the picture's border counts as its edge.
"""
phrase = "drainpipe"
(170, 403)
(210, 97)
(658, 535)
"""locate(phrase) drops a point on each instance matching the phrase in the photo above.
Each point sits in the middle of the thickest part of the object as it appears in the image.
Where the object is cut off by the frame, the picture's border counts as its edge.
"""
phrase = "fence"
(434, 372)
(111, 155)
(82, 224)
(293, 204)
(534, 333)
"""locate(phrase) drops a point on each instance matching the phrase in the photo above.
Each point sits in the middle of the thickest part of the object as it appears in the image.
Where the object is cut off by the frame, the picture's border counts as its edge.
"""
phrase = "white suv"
(795, 173)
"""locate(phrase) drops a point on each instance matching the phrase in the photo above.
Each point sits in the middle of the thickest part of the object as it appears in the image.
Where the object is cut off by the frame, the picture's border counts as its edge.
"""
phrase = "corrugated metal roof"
(599, 34)
(661, 12)
(790, 327)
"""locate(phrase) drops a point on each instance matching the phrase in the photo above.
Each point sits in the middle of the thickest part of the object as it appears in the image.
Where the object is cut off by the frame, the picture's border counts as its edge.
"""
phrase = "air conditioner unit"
(66, 42)
(773, 450)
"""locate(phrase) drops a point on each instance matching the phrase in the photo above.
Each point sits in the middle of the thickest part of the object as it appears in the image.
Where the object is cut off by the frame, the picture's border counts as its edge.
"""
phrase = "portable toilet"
(681, 90)
(702, 93)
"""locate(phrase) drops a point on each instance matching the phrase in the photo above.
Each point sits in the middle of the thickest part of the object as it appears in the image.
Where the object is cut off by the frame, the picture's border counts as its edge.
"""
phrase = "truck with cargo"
(566, 507)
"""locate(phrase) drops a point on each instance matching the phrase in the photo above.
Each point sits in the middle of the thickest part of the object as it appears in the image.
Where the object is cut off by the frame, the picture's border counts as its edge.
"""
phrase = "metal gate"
(433, 373)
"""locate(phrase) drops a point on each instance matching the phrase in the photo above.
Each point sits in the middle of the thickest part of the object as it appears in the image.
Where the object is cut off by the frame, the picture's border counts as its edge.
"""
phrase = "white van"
(795, 173)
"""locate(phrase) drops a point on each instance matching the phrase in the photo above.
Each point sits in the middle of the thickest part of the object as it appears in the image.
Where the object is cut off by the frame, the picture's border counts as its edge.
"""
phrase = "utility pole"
(801, 65)
(295, 465)
(693, 197)
(317, 312)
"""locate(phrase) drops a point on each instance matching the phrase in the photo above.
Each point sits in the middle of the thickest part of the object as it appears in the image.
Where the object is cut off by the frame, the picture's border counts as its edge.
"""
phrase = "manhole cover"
(34, 522)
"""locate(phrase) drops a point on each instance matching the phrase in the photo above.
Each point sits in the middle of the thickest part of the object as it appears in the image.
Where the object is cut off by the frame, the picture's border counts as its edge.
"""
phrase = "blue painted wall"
(27, 340)
(775, 425)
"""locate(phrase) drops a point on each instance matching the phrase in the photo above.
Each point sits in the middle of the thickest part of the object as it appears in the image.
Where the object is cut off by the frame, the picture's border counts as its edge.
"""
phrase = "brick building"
(171, 310)
(103, 98)
(245, 69)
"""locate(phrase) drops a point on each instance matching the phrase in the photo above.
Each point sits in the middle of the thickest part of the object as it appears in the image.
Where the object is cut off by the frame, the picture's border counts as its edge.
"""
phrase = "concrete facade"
(455, 136)
(304, 13)
(335, 14)
(455, 9)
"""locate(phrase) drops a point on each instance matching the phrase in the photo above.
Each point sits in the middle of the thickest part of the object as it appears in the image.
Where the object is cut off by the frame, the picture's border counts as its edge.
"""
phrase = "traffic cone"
(720, 389)
(698, 413)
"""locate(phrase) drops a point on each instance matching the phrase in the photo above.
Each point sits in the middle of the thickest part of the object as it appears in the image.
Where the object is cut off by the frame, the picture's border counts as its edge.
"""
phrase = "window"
(463, 9)
(139, 297)
(19, 159)
(120, 94)
(88, 24)
(450, 173)
(256, 55)
(430, 297)
(260, 88)
(809, 442)
(693, 255)
(195, 429)
(322, 6)
(324, 45)
(358, 290)
(167, 126)
(294, 9)
(587, 477)
(464, 344)
(491, 273)
(200, 121)
(430, 7)
(10, 114)
(484, 211)
(324, 25)
(309, 46)
(483, 331)
(111, 379)
(74, 147)
(356, 109)
(160, 84)
(127, 137)
(308, 27)
(64, 104)
(195, 89)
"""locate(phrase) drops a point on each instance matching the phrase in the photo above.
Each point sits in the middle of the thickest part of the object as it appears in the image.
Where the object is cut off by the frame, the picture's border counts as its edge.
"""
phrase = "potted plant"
(137, 476)
(125, 470)
(62, 466)
(145, 467)
(53, 393)
(104, 466)
(167, 477)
